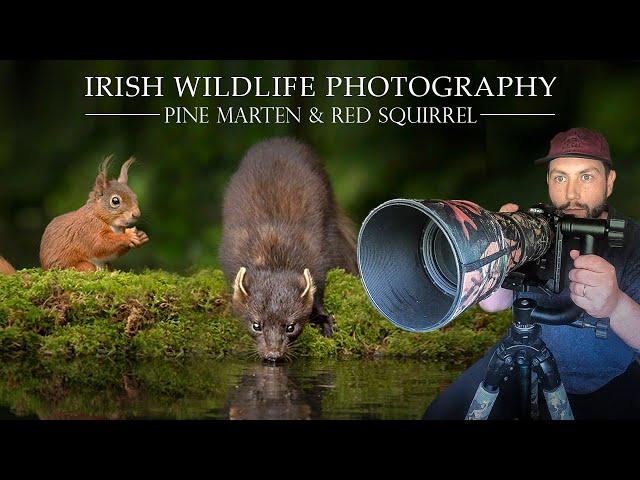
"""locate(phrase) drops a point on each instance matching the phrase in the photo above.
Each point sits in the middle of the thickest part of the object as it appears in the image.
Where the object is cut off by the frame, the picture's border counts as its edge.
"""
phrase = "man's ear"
(239, 286)
(610, 181)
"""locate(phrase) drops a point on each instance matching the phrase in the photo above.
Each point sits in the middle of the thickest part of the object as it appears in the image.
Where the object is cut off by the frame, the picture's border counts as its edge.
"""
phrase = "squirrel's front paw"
(142, 237)
(132, 237)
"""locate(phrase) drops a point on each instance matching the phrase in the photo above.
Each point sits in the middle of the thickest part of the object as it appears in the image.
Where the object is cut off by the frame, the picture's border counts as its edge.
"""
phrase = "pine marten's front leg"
(320, 318)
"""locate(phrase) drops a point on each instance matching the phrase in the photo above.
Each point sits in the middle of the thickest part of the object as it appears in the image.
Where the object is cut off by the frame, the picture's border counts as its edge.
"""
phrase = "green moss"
(194, 336)
(157, 314)
(101, 338)
(362, 330)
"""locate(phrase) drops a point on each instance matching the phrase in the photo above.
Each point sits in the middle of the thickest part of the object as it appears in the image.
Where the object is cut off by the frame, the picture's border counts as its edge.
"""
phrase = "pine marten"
(282, 232)
(89, 238)
(6, 268)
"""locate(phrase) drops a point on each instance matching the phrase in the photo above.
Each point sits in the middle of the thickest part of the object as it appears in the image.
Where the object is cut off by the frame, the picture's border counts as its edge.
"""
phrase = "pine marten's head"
(113, 200)
(275, 305)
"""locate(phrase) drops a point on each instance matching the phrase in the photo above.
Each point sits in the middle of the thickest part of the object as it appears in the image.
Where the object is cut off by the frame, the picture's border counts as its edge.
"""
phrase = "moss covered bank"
(157, 314)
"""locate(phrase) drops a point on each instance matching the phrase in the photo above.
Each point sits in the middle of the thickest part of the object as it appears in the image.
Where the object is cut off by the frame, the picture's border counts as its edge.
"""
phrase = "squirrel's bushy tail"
(5, 267)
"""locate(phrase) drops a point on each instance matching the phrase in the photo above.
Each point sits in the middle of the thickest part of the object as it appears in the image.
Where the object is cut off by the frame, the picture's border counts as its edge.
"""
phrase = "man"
(601, 377)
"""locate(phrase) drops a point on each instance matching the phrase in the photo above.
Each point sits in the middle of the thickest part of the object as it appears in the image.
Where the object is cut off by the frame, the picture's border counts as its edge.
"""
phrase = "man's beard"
(594, 212)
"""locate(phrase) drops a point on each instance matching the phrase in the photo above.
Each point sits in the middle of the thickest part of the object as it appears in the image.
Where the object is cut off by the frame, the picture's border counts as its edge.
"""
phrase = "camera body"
(549, 273)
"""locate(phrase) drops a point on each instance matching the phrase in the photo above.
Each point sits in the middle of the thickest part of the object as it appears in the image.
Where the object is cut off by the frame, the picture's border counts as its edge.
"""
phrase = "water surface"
(221, 389)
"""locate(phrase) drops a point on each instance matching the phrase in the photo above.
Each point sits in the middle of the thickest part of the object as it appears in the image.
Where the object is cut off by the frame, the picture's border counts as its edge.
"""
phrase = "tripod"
(522, 350)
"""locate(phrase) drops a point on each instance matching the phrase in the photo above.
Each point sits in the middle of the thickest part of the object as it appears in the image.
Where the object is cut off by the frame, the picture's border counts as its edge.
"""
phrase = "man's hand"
(593, 285)
(509, 208)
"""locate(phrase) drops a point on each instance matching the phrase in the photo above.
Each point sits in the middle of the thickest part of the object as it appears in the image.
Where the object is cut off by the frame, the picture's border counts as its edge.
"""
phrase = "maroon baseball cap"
(578, 142)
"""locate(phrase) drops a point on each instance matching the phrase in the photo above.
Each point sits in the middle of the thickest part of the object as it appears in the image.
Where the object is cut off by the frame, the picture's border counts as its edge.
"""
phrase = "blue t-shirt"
(586, 362)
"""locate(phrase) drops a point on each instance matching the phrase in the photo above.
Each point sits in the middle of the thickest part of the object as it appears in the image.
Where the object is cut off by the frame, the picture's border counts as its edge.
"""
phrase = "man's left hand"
(593, 284)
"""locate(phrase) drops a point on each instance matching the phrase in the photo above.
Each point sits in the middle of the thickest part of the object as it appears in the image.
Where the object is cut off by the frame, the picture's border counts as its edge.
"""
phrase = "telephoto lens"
(423, 262)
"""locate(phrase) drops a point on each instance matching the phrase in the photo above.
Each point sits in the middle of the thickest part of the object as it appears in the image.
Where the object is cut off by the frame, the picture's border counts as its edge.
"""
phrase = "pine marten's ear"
(125, 170)
(239, 291)
(309, 288)
(101, 180)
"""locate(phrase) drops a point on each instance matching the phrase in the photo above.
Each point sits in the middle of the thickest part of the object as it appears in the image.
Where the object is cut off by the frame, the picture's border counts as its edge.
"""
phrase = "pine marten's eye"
(291, 327)
(115, 201)
(256, 327)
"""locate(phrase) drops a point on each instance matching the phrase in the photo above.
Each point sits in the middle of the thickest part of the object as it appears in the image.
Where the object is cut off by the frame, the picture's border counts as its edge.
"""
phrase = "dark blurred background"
(50, 151)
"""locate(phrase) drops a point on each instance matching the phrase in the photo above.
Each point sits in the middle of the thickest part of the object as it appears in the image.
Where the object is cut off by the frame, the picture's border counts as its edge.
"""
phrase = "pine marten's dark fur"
(282, 233)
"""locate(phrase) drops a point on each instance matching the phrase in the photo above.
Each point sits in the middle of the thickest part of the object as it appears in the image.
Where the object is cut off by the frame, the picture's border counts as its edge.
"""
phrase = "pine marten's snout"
(273, 344)
(273, 355)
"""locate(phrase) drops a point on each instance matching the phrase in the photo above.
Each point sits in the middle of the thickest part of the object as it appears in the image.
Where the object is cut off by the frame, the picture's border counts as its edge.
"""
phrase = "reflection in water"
(267, 393)
(124, 398)
(6, 414)
(220, 389)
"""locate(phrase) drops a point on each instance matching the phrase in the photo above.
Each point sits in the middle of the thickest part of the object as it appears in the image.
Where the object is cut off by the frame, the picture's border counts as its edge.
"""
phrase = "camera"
(424, 262)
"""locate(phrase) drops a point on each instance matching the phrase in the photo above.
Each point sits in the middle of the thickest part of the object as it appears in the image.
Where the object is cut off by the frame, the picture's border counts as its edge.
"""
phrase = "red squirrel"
(100, 231)
(6, 268)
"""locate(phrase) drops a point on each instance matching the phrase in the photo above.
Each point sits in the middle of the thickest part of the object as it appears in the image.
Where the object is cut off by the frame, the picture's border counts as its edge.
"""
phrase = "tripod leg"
(481, 404)
(524, 369)
(535, 413)
(554, 392)
(489, 388)
(558, 404)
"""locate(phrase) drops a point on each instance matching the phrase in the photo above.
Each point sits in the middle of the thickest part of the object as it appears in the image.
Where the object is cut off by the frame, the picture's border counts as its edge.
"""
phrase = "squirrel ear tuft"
(101, 180)
(124, 170)
(239, 292)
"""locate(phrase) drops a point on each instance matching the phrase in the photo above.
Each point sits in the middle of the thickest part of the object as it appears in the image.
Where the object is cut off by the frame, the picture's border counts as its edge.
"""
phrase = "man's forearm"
(625, 321)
